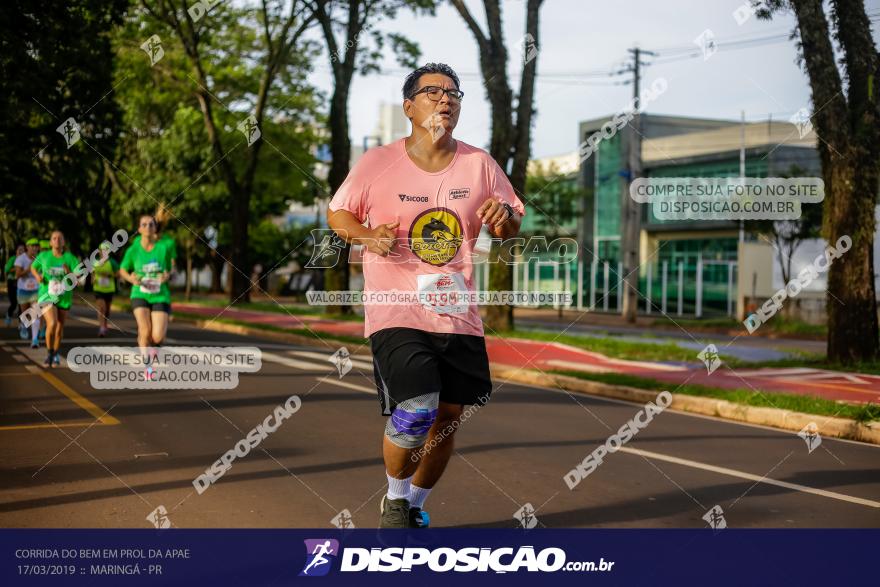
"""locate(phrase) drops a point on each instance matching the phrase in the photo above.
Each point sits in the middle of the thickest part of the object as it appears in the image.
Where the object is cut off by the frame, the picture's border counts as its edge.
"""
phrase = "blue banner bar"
(249, 558)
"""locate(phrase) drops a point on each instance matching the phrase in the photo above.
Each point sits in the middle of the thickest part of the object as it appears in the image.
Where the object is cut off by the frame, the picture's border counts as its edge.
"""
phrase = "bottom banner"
(436, 556)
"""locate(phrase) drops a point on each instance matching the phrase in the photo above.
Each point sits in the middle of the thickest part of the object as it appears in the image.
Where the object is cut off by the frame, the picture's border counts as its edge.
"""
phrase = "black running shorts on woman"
(408, 363)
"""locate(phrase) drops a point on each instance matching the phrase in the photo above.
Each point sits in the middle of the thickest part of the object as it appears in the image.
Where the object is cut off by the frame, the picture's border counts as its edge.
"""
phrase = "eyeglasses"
(435, 93)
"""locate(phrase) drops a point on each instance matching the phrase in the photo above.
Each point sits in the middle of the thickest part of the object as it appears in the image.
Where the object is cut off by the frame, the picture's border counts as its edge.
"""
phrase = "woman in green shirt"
(53, 270)
(147, 266)
(104, 286)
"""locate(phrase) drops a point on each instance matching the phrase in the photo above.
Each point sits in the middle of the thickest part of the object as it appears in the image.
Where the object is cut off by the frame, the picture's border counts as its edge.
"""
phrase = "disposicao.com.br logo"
(322, 552)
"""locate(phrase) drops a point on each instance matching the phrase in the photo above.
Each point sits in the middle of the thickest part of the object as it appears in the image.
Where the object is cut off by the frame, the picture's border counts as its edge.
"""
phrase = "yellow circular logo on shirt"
(435, 236)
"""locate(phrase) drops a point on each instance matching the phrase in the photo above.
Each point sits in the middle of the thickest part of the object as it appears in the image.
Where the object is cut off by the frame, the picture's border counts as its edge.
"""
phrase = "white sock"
(398, 488)
(35, 328)
(417, 496)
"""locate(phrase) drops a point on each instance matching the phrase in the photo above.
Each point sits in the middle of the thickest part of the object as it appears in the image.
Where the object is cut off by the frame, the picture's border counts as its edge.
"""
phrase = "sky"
(578, 36)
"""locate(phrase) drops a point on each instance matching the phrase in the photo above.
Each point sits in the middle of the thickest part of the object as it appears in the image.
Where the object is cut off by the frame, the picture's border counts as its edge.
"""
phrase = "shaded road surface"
(74, 456)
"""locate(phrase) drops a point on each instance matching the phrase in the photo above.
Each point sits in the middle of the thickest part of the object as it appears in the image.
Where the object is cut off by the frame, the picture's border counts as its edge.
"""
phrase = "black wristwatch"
(510, 211)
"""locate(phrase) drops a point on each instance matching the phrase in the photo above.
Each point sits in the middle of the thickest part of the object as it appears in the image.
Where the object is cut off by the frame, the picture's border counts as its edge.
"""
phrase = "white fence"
(698, 289)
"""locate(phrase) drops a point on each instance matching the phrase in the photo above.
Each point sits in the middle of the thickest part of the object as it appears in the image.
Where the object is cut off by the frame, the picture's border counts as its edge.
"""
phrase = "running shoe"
(394, 513)
(23, 332)
(56, 358)
(419, 518)
(35, 343)
(102, 332)
(48, 362)
(8, 321)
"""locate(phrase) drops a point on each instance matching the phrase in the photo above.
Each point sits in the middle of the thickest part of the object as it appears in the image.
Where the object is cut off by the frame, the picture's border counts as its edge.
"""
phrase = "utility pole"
(742, 165)
(630, 211)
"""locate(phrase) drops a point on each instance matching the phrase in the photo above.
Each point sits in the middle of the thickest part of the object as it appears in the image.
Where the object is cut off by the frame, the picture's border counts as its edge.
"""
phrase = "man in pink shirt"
(424, 200)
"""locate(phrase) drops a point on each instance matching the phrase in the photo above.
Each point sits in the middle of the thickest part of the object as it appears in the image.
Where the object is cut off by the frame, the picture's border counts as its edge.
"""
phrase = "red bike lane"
(553, 356)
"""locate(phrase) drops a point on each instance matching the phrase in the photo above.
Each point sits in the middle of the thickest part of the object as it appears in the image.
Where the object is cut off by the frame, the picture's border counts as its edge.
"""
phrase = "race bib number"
(103, 281)
(148, 268)
(443, 292)
(56, 288)
(29, 283)
(150, 286)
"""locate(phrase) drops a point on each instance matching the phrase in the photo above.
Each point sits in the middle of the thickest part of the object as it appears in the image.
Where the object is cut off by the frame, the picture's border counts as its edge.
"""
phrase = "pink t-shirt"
(438, 228)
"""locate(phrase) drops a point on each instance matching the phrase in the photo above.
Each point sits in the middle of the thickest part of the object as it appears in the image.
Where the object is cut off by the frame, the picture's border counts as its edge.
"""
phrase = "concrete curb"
(773, 417)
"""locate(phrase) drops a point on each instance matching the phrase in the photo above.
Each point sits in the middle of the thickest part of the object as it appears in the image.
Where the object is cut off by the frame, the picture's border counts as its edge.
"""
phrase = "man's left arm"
(502, 211)
(502, 219)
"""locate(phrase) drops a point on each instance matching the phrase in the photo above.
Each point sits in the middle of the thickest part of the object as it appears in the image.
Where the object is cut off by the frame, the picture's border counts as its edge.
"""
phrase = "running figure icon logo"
(159, 518)
(715, 518)
(320, 553)
(153, 48)
(250, 129)
(810, 435)
(342, 360)
(343, 520)
(526, 516)
(69, 129)
(710, 358)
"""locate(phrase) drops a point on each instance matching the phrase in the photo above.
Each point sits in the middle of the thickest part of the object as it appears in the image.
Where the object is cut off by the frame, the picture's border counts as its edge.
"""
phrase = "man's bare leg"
(437, 450)
(398, 461)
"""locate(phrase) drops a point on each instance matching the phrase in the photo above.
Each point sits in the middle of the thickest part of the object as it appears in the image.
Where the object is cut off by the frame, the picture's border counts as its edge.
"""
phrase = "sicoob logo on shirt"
(435, 236)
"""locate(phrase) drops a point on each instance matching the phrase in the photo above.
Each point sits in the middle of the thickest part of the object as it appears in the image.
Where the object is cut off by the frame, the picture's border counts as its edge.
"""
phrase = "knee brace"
(411, 420)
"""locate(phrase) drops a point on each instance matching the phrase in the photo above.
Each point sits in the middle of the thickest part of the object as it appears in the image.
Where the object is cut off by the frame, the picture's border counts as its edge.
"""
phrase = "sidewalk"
(551, 356)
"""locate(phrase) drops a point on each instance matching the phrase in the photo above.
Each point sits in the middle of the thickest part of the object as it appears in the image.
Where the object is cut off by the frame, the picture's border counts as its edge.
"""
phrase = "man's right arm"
(378, 240)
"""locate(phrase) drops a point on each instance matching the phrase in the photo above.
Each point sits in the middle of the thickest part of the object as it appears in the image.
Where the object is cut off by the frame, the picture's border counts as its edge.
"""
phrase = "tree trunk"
(849, 149)
(342, 63)
(851, 300)
(216, 272)
(189, 275)
(508, 141)
(239, 281)
(336, 278)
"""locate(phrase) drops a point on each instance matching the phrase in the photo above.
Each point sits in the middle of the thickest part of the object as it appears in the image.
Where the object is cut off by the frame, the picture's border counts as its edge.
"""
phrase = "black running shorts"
(409, 362)
(154, 307)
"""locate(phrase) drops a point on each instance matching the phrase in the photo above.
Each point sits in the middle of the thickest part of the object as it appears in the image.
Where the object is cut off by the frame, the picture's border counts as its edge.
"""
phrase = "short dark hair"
(412, 80)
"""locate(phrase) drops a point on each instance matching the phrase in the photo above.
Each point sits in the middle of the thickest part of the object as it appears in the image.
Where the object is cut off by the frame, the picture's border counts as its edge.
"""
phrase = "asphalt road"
(75, 456)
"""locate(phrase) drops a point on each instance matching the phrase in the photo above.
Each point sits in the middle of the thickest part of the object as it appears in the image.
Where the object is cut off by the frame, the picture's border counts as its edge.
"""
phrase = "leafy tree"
(57, 63)
(846, 115)
(169, 158)
(346, 28)
(246, 68)
(510, 143)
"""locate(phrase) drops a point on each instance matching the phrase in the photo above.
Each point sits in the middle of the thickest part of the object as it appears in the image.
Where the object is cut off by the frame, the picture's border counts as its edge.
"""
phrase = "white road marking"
(20, 358)
(326, 357)
(748, 476)
(94, 322)
(363, 388)
(295, 363)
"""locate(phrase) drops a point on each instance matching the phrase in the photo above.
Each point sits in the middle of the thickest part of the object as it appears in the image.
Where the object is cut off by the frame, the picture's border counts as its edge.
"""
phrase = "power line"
(664, 55)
